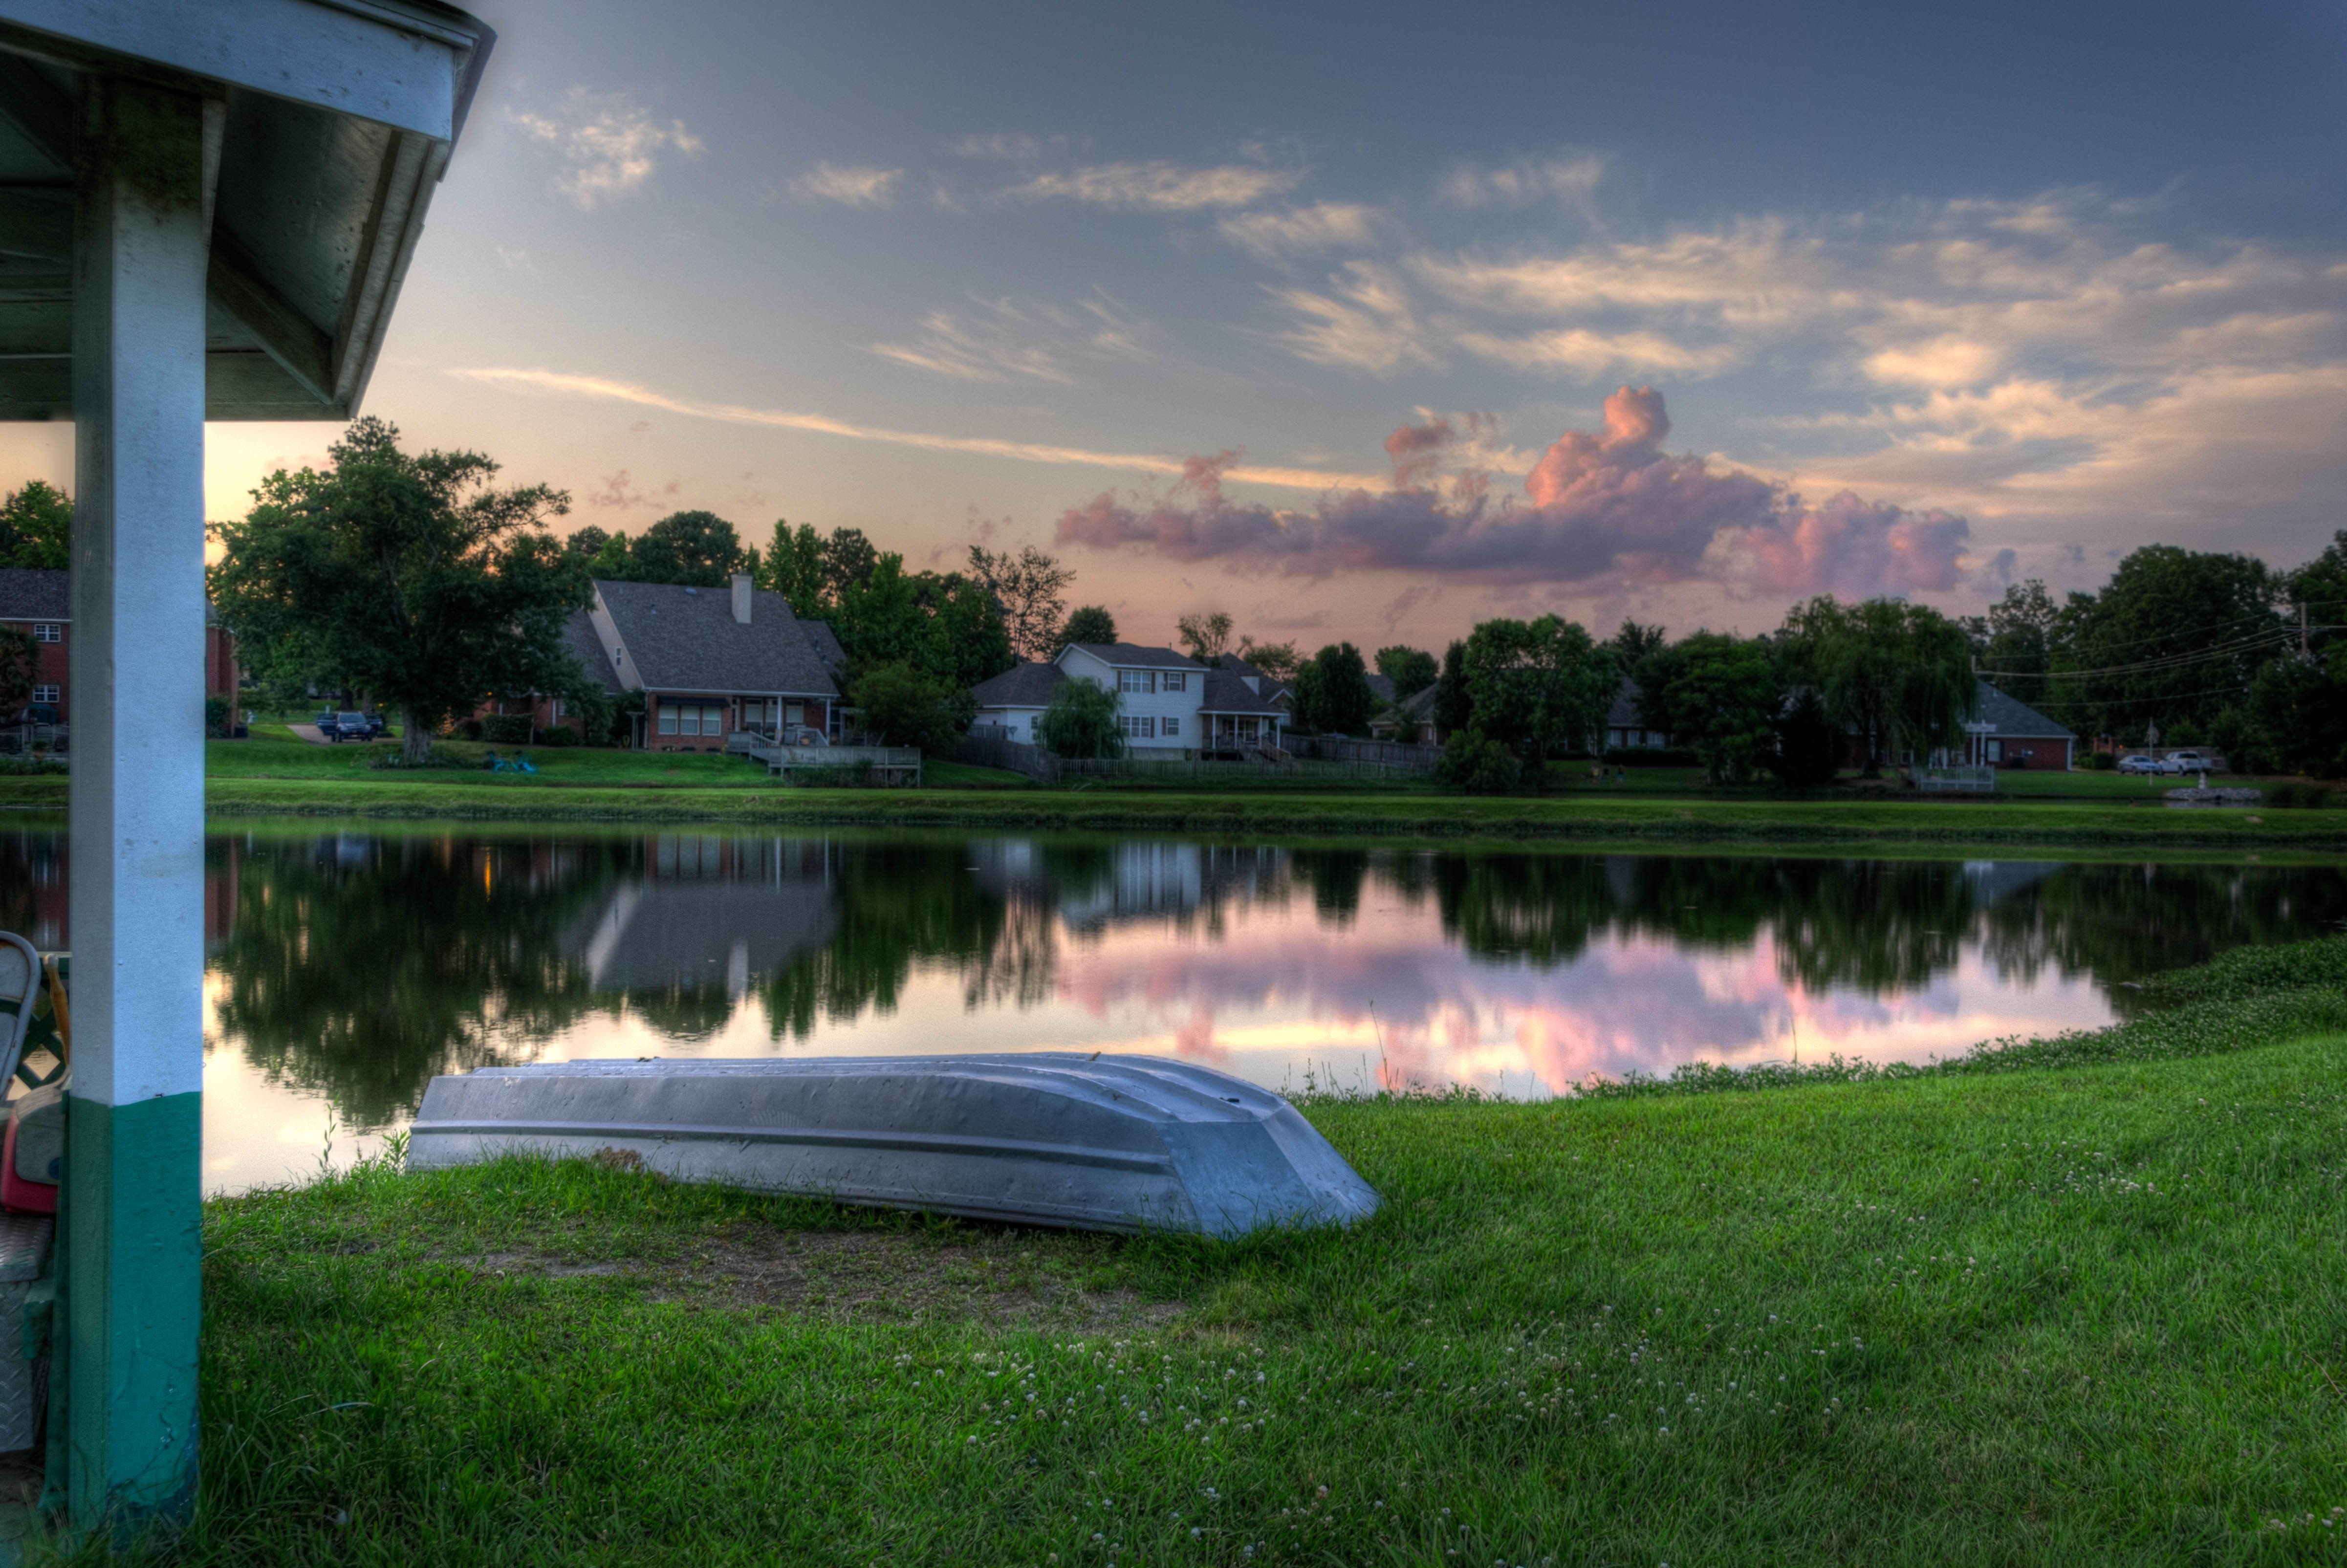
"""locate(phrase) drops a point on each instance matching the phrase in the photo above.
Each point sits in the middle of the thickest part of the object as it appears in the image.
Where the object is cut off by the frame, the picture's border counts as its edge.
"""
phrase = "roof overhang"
(338, 120)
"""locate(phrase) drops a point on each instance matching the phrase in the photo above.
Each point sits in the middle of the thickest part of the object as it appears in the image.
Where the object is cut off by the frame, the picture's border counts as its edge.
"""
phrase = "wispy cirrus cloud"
(850, 185)
(1158, 186)
(1365, 322)
(1570, 176)
(1604, 504)
(1324, 226)
(1016, 340)
(610, 389)
(610, 145)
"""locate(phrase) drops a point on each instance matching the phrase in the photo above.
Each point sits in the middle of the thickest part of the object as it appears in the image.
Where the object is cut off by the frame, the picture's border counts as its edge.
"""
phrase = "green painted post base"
(130, 1228)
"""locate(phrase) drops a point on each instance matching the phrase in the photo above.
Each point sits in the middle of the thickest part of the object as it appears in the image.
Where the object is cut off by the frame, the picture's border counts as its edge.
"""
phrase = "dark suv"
(345, 727)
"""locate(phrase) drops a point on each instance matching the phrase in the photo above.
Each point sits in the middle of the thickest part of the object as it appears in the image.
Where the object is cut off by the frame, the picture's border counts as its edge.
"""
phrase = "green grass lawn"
(2077, 1303)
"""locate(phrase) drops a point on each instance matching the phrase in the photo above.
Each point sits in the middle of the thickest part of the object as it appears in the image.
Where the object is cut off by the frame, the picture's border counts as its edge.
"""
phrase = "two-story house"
(38, 601)
(1169, 705)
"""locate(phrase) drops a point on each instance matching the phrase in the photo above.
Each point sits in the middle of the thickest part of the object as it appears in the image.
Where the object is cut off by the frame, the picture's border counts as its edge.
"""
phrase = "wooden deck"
(880, 765)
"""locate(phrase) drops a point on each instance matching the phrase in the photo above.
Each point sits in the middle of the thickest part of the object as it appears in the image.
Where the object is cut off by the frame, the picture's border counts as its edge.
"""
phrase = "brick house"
(40, 600)
(712, 661)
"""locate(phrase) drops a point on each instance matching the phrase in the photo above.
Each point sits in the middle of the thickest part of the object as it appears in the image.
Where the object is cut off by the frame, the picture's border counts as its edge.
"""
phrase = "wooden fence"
(1406, 755)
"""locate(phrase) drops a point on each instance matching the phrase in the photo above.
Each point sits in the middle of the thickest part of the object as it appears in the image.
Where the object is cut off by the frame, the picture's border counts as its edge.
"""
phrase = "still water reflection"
(346, 969)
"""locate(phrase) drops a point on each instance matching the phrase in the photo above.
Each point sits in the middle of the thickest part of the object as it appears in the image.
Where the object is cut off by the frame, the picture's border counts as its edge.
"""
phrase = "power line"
(2278, 637)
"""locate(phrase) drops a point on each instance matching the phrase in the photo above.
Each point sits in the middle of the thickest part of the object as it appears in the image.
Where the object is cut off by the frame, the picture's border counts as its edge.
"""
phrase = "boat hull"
(1098, 1143)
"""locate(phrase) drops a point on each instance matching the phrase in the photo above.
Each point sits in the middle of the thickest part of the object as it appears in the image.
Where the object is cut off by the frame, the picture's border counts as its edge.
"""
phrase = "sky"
(1370, 321)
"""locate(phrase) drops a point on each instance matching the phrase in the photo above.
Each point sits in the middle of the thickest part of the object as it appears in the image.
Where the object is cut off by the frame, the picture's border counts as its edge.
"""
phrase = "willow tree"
(410, 578)
(1897, 675)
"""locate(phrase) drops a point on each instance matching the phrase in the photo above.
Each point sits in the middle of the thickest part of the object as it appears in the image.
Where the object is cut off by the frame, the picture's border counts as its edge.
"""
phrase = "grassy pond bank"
(2070, 1299)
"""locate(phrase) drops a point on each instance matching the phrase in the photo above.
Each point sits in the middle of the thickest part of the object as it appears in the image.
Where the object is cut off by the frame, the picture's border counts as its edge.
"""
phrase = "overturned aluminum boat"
(1097, 1143)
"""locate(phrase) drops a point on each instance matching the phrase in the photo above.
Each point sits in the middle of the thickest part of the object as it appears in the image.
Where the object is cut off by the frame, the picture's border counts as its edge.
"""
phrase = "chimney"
(741, 597)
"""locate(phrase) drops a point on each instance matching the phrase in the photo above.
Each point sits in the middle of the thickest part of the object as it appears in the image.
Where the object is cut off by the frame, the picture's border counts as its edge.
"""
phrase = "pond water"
(346, 969)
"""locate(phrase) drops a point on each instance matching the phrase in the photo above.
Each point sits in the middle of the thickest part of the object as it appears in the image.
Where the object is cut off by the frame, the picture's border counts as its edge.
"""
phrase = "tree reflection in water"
(356, 967)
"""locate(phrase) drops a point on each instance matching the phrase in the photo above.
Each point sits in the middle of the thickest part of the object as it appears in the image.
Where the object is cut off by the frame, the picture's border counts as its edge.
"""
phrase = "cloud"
(608, 389)
(1364, 322)
(853, 185)
(1009, 341)
(1571, 177)
(1321, 227)
(1608, 504)
(618, 492)
(1159, 185)
(610, 145)
(1010, 147)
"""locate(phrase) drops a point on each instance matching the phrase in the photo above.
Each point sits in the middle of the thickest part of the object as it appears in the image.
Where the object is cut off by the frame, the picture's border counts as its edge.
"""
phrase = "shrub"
(218, 717)
(506, 729)
(559, 735)
(2101, 762)
(2303, 796)
(907, 706)
(1479, 765)
(469, 728)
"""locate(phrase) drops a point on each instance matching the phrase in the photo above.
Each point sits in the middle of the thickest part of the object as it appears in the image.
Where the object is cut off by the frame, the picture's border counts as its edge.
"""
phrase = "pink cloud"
(1609, 503)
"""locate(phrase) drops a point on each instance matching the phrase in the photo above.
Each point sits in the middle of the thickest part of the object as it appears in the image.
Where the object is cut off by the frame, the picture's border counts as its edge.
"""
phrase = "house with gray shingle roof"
(1170, 705)
(714, 661)
(39, 602)
(2006, 732)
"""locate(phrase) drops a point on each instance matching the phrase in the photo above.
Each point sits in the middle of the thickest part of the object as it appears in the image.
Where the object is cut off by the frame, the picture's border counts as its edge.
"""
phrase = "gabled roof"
(1133, 656)
(1419, 705)
(584, 643)
(1382, 687)
(686, 639)
(35, 593)
(1227, 694)
(2012, 717)
(826, 643)
(1623, 712)
(1020, 686)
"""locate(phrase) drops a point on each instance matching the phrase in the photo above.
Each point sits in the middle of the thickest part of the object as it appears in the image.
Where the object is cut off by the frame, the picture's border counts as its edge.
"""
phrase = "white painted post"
(132, 1202)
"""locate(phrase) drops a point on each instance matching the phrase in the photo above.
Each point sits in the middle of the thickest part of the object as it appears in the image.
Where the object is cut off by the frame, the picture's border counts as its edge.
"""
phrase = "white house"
(1169, 705)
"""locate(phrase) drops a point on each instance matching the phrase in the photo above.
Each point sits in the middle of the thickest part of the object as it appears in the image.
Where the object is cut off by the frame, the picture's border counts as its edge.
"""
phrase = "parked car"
(2187, 763)
(344, 727)
(2139, 764)
(374, 725)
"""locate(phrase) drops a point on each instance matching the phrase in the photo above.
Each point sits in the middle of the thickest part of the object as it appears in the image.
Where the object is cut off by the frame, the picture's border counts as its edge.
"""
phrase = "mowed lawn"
(2085, 1305)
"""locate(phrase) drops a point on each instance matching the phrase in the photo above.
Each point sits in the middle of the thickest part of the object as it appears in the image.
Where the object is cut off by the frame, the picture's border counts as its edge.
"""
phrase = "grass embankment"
(2080, 1301)
(275, 775)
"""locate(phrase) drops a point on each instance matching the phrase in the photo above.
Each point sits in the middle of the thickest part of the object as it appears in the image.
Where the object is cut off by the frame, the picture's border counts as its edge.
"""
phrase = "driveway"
(309, 733)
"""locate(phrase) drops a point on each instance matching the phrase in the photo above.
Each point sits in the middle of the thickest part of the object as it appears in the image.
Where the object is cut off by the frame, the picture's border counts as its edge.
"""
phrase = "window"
(1174, 680)
(1997, 751)
(45, 694)
(46, 631)
(1133, 680)
(1170, 726)
(1133, 728)
(795, 714)
(667, 720)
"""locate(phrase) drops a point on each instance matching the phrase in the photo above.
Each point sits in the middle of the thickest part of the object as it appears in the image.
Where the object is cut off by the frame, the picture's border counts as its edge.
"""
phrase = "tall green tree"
(586, 541)
(1332, 692)
(410, 578)
(2175, 638)
(1633, 641)
(36, 526)
(2297, 710)
(1411, 669)
(696, 550)
(1898, 675)
(1090, 623)
(792, 568)
(1031, 589)
(2015, 642)
(849, 560)
(1717, 694)
(1454, 704)
(1541, 687)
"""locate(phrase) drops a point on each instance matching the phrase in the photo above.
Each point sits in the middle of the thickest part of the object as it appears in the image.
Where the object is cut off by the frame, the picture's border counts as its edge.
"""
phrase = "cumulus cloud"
(1159, 185)
(610, 145)
(1321, 227)
(1605, 505)
(853, 185)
